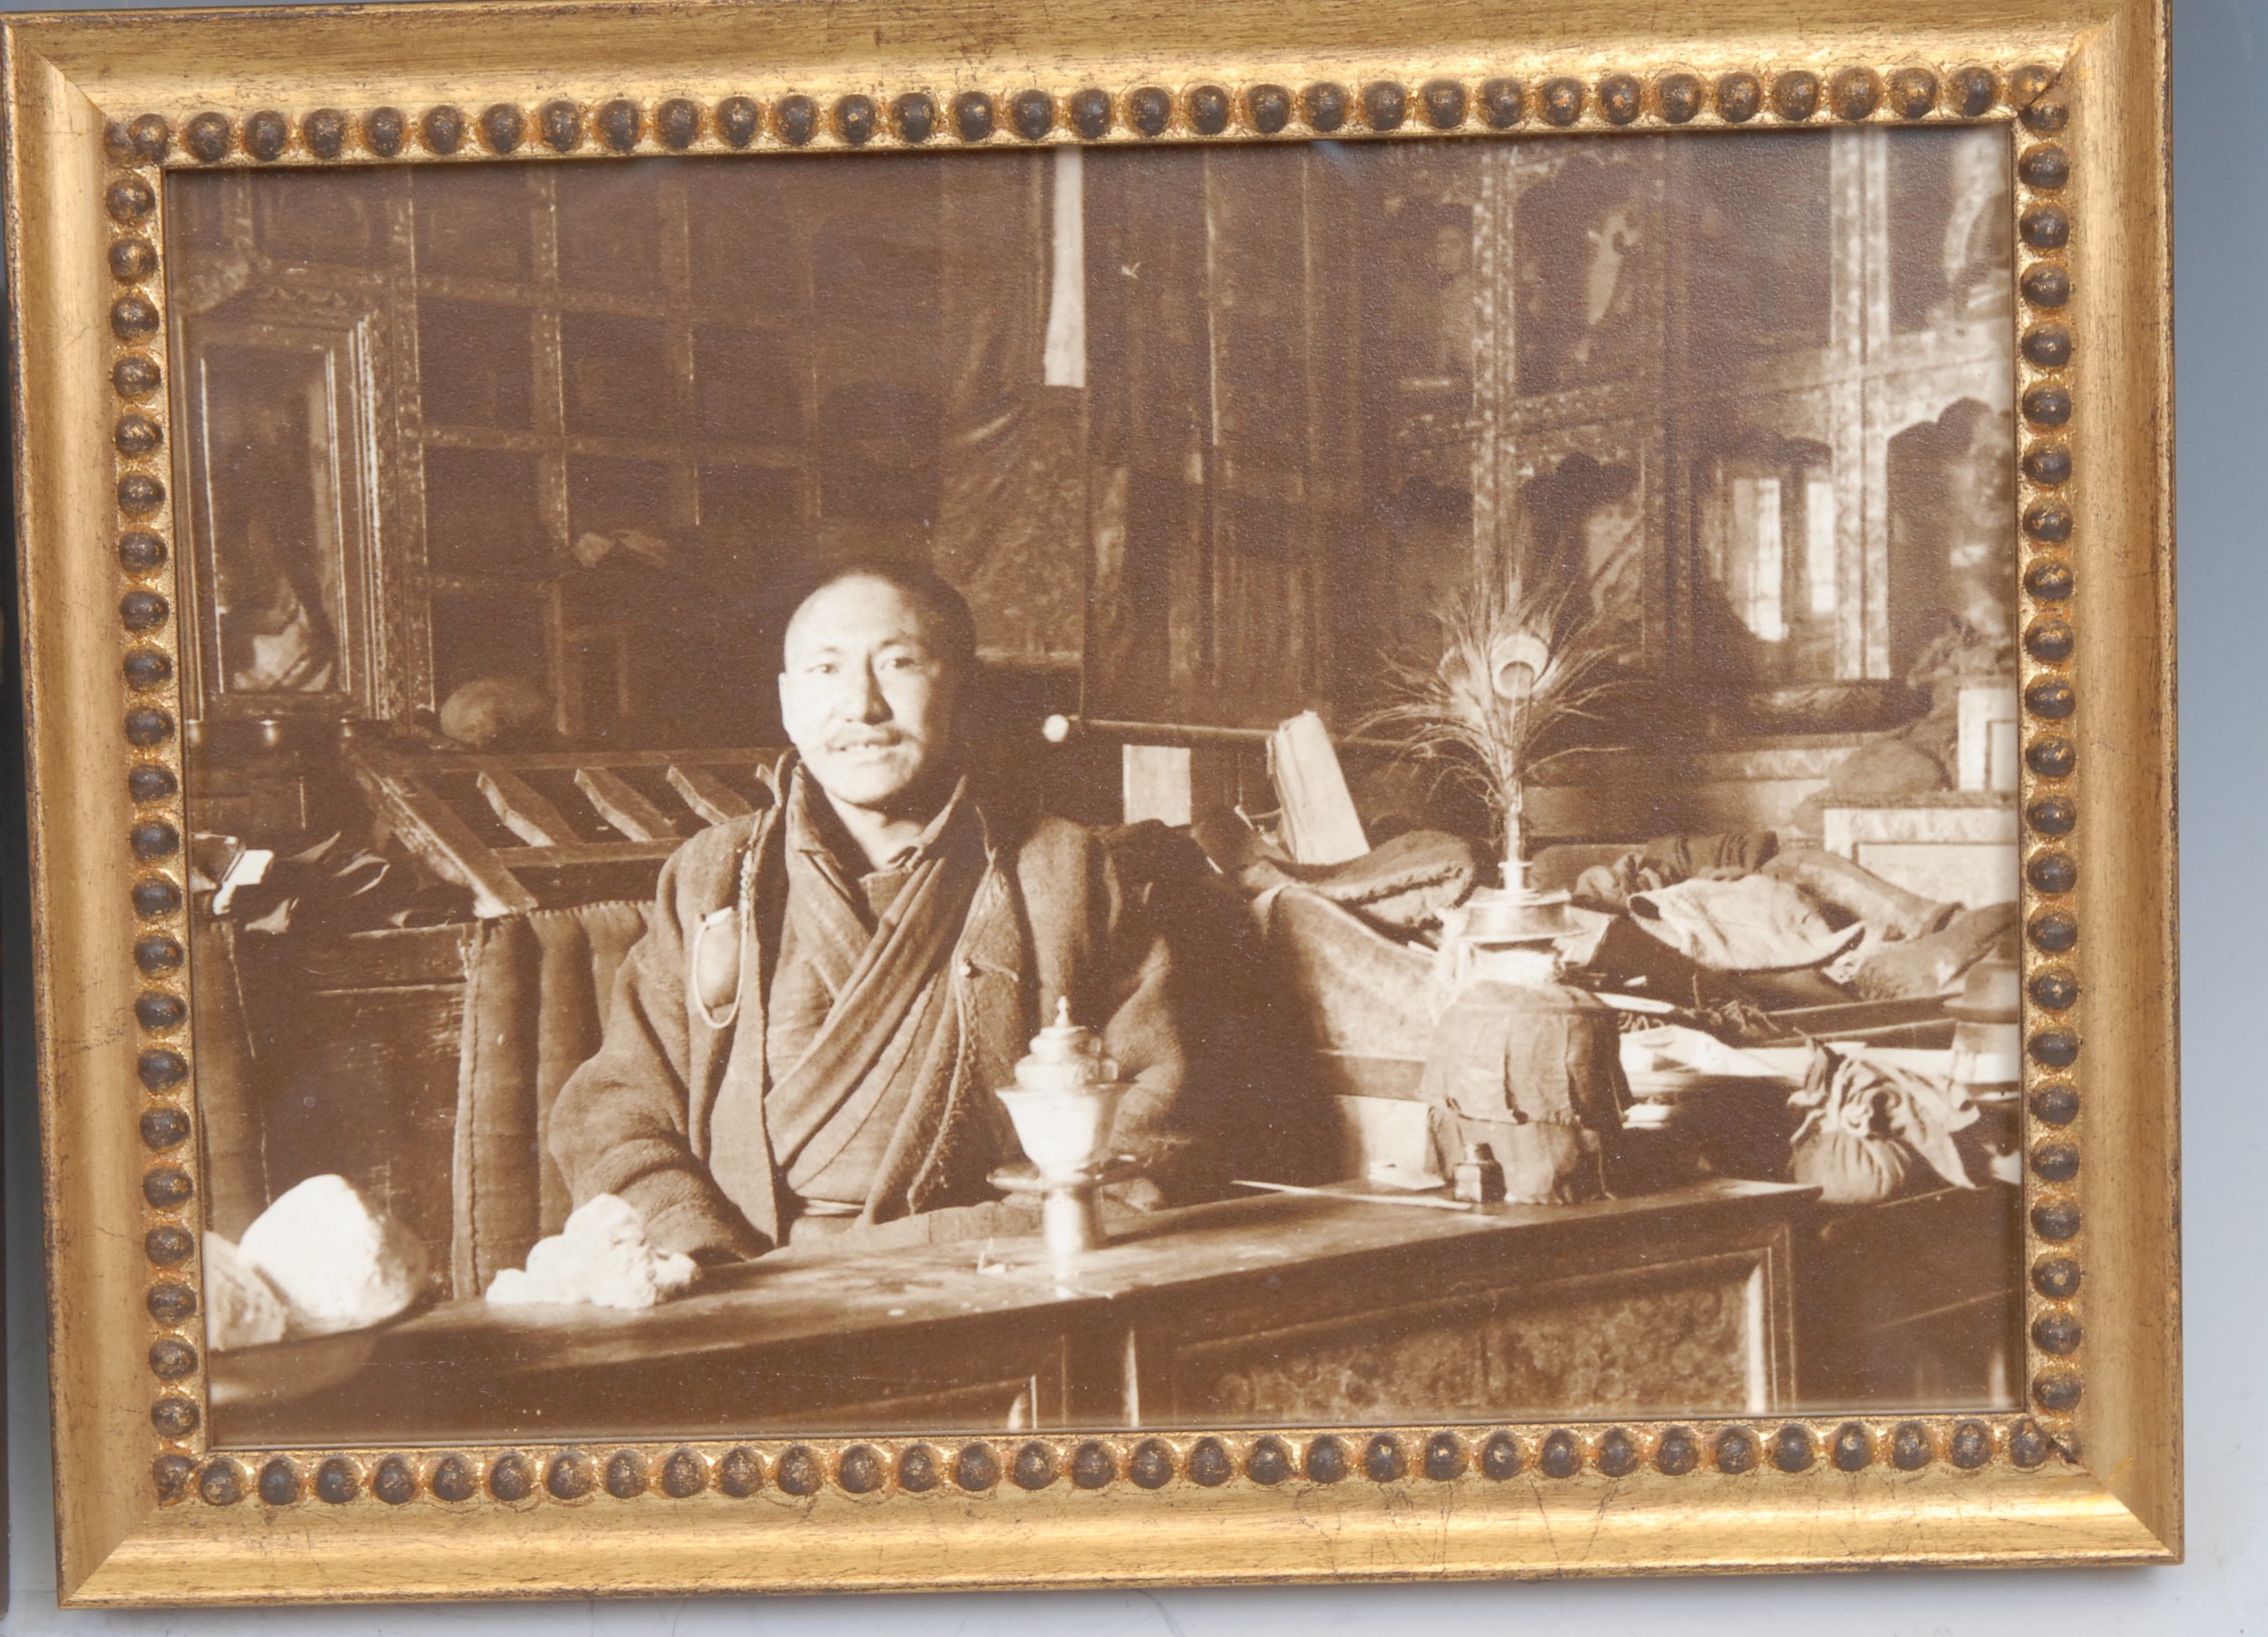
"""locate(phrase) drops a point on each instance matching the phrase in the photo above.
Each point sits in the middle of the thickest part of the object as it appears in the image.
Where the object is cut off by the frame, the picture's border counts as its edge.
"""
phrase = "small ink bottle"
(1479, 1177)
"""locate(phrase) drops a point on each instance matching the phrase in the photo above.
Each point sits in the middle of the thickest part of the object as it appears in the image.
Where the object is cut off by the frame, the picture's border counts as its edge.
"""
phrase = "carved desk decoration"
(419, 431)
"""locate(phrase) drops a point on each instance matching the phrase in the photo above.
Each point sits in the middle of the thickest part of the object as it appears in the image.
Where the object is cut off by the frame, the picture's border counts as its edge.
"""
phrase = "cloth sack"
(1755, 923)
(1871, 1132)
(1534, 1071)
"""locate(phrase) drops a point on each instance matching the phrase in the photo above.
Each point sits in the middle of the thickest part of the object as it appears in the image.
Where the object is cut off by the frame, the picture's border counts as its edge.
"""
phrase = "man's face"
(865, 694)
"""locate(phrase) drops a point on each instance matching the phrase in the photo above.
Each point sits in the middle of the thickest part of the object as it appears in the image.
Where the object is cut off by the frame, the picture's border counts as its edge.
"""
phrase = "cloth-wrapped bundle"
(1870, 1127)
(1534, 1071)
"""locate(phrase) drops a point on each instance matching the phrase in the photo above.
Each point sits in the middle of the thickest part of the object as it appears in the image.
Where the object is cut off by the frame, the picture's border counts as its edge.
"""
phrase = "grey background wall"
(2221, 168)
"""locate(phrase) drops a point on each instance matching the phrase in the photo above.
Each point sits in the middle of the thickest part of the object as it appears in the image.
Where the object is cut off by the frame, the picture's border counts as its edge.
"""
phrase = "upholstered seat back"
(538, 988)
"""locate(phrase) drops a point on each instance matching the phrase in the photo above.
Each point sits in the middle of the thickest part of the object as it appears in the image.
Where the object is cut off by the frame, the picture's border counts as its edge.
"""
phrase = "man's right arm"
(621, 1122)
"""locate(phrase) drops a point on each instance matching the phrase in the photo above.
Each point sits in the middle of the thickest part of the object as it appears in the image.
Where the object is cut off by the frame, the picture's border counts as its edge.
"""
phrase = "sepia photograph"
(1324, 784)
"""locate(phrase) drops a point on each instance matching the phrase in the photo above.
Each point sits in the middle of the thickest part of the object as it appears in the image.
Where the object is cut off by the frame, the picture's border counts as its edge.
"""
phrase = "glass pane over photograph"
(1321, 784)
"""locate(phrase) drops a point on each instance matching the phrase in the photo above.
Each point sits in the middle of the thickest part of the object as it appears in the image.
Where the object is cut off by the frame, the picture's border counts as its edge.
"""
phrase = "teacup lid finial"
(1071, 1050)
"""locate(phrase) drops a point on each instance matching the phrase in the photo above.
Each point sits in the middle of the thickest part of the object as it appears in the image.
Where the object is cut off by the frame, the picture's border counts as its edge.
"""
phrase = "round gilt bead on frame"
(511, 1478)
(172, 1473)
(156, 956)
(799, 1472)
(1150, 109)
(454, 1479)
(1444, 103)
(1209, 1464)
(1680, 96)
(395, 1481)
(324, 131)
(561, 121)
(1151, 1465)
(503, 127)
(1089, 110)
(1324, 105)
(280, 1482)
(1503, 102)
(1794, 1449)
(1974, 91)
(132, 259)
(1269, 1461)
(860, 1469)
(1912, 94)
(914, 116)
(976, 1468)
(795, 119)
(1971, 1446)
(337, 1481)
(207, 136)
(738, 119)
(1909, 1448)
(1739, 98)
(384, 130)
(221, 1483)
(1796, 95)
(442, 129)
(2047, 345)
(1854, 93)
(1209, 110)
(1093, 1465)
(1852, 1449)
(1034, 1466)
(855, 119)
(621, 123)
(1385, 105)
(1621, 99)
(135, 375)
(267, 134)
(1032, 114)
(677, 123)
(685, 1474)
(1269, 108)
(568, 1475)
(973, 117)
(150, 137)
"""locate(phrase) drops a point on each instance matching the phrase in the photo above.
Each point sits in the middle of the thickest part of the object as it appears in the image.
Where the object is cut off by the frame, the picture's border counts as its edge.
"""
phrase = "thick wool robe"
(670, 1115)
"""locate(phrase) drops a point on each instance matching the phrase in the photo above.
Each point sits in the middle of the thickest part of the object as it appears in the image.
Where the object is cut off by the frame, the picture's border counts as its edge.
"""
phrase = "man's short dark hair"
(944, 611)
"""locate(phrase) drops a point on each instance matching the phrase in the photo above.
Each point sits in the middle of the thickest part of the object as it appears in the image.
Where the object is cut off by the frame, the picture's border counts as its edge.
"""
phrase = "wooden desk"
(1263, 1312)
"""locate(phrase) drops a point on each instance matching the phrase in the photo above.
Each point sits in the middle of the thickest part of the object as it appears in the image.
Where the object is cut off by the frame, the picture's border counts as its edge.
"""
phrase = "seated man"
(810, 1033)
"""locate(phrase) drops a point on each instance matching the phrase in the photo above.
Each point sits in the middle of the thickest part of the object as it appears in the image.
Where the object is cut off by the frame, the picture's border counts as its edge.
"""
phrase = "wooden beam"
(429, 828)
(567, 761)
(620, 805)
(577, 854)
(707, 795)
(524, 812)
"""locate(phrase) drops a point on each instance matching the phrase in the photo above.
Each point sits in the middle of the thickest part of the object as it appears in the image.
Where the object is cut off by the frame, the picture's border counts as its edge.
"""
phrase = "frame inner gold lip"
(141, 158)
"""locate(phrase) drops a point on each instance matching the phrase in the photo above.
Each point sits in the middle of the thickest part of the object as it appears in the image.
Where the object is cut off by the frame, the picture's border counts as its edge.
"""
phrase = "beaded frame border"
(144, 147)
(2035, 103)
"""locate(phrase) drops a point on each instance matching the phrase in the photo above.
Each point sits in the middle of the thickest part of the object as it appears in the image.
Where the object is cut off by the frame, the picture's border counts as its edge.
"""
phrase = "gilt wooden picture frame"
(419, 413)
